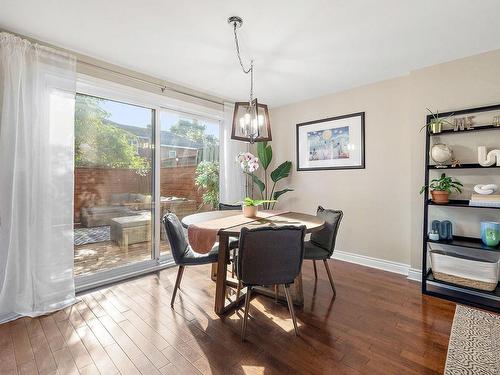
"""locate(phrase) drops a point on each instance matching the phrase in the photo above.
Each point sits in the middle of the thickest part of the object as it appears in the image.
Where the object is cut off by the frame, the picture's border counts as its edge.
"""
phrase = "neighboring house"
(175, 150)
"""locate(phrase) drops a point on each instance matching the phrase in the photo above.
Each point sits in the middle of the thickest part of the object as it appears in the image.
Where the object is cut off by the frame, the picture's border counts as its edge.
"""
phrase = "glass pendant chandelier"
(251, 118)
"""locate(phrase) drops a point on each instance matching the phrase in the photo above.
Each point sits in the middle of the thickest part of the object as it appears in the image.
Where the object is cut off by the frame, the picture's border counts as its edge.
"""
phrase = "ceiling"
(302, 49)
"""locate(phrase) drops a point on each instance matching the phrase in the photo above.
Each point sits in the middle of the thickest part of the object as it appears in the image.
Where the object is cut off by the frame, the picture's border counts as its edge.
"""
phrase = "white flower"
(248, 162)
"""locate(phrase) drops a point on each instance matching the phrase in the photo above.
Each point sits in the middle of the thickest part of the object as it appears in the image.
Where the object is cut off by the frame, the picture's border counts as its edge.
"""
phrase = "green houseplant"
(268, 192)
(435, 125)
(442, 187)
(250, 206)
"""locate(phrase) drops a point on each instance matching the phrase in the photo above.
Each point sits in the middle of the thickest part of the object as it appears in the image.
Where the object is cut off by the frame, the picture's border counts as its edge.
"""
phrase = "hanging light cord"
(246, 71)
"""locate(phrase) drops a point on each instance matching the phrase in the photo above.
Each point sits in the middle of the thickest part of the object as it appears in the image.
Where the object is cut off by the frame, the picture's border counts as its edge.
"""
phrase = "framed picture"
(332, 143)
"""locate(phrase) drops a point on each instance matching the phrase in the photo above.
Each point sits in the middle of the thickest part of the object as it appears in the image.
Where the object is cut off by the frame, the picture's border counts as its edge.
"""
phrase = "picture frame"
(334, 143)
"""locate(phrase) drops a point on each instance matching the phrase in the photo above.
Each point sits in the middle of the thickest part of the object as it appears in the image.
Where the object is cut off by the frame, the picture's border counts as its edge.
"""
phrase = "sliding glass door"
(189, 166)
(133, 164)
(113, 184)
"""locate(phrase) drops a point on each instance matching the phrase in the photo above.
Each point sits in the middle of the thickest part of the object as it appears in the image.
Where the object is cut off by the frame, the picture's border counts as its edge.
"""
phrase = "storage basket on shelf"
(479, 272)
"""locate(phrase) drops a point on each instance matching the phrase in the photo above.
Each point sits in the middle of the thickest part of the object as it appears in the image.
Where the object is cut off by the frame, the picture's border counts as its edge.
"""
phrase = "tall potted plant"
(268, 191)
(441, 188)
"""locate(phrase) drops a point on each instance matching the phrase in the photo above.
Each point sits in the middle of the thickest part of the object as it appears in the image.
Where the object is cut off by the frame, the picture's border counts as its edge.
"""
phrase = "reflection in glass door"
(113, 184)
(189, 166)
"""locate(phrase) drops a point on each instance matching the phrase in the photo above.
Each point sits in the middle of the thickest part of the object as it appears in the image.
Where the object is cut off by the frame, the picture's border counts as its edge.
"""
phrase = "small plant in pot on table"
(250, 206)
(442, 187)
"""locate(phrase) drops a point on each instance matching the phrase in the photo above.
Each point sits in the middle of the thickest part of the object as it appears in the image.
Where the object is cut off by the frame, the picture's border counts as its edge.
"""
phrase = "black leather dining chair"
(182, 253)
(270, 256)
(322, 243)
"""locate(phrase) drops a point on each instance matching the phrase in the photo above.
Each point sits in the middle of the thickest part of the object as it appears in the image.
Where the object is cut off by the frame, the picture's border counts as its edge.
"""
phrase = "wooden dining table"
(224, 301)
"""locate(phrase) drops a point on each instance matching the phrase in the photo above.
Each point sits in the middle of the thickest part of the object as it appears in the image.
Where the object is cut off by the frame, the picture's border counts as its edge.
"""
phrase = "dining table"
(233, 223)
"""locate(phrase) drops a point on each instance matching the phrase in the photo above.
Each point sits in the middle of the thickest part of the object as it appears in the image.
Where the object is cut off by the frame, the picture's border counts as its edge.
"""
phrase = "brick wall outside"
(94, 186)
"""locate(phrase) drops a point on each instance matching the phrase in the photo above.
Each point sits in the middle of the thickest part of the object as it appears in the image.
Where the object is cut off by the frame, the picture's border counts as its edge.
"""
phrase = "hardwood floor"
(379, 323)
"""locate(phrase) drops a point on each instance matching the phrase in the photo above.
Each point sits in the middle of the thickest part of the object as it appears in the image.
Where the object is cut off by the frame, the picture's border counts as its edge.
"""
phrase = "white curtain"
(232, 180)
(37, 91)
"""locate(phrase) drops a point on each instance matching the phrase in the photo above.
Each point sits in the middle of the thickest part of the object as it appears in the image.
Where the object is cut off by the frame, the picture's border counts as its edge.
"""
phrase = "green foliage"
(444, 183)
(207, 179)
(265, 153)
(282, 171)
(436, 120)
(194, 131)
(279, 193)
(256, 202)
(98, 143)
(256, 180)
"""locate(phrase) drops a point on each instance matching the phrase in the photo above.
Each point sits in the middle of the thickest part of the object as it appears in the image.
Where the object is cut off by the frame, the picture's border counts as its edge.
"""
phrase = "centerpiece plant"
(442, 187)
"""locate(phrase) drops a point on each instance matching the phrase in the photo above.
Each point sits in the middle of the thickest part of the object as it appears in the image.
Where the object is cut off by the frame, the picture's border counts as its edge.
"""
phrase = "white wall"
(382, 207)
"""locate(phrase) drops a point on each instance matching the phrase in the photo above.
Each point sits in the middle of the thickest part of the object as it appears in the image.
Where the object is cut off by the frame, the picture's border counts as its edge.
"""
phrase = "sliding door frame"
(104, 89)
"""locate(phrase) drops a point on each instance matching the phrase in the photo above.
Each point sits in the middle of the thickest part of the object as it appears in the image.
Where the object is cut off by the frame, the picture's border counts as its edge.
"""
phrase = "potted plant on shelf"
(441, 188)
(250, 206)
(435, 125)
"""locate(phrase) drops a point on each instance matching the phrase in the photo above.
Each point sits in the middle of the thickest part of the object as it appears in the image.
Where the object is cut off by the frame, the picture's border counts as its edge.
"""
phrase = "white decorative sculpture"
(487, 160)
(485, 189)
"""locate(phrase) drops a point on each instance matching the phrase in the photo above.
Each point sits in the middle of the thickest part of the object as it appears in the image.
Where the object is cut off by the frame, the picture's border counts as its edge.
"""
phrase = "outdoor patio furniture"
(128, 230)
(101, 215)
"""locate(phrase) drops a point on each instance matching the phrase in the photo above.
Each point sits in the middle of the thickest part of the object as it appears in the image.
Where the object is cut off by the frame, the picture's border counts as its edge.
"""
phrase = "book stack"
(481, 200)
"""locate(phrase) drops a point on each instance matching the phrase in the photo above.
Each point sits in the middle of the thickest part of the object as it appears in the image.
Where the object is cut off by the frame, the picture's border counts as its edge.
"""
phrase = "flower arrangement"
(248, 162)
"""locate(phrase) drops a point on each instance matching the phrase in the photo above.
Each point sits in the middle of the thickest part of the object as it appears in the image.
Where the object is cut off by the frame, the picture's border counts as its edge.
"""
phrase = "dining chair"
(270, 256)
(182, 253)
(233, 241)
(322, 243)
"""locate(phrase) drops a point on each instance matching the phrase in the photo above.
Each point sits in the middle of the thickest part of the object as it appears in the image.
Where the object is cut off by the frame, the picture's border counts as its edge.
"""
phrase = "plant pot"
(250, 211)
(435, 127)
(440, 197)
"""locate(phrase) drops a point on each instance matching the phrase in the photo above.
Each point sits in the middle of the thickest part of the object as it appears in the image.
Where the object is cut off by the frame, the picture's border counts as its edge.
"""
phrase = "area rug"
(474, 346)
(85, 236)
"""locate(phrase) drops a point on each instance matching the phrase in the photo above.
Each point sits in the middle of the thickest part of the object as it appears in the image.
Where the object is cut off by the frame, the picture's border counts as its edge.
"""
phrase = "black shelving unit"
(437, 288)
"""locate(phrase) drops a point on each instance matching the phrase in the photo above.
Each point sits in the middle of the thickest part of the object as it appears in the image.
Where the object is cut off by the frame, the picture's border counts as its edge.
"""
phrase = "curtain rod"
(162, 87)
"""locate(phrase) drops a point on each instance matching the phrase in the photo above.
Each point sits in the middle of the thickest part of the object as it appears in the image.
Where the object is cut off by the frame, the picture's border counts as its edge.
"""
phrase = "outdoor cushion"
(133, 221)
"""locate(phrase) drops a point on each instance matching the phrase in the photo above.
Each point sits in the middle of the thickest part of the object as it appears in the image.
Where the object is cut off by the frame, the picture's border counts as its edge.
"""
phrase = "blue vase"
(490, 233)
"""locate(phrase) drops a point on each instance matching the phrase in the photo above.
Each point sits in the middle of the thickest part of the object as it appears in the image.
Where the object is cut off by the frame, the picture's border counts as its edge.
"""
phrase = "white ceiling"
(302, 48)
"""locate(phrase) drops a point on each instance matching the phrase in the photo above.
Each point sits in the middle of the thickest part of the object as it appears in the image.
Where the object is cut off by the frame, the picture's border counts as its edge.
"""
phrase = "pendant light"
(251, 118)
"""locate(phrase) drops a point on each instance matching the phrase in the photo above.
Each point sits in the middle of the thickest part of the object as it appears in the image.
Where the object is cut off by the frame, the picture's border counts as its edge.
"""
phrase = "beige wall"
(383, 211)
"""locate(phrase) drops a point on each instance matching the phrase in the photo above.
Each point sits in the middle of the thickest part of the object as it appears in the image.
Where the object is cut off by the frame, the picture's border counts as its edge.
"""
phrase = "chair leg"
(233, 264)
(180, 271)
(238, 290)
(315, 270)
(330, 276)
(290, 307)
(276, 291)
(245, 315)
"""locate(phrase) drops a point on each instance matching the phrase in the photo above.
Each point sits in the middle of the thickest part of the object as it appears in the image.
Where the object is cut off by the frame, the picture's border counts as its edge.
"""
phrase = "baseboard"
(415, 274)
(381, 264)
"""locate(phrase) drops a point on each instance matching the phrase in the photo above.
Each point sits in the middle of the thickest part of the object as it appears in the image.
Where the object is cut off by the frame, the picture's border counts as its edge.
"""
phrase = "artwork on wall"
(332, 143)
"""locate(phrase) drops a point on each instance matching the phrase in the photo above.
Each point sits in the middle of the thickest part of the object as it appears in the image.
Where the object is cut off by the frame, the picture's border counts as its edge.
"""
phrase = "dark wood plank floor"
(378, 324)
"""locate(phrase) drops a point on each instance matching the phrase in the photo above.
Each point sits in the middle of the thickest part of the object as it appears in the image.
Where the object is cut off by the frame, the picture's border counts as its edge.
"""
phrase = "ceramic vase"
(490, 233)
(250, 211)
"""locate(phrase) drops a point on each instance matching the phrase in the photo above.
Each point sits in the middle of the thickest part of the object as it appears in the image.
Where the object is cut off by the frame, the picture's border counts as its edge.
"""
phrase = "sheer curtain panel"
(232, 180)
(37, 92)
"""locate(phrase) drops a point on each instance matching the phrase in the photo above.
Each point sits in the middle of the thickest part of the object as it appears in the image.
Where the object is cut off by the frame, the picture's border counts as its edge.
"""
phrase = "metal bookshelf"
(437, 288)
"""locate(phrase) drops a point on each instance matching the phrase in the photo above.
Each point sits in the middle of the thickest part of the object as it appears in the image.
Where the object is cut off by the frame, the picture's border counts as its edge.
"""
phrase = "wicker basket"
(472, 272)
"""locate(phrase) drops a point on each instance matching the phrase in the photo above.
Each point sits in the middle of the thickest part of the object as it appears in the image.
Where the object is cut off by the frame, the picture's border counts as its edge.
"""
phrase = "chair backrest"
(176, 236)
(227, 207)
(325, 238)
(270, 255)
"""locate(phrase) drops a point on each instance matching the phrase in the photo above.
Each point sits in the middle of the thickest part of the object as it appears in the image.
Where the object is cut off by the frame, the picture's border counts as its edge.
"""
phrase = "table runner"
(203, 236)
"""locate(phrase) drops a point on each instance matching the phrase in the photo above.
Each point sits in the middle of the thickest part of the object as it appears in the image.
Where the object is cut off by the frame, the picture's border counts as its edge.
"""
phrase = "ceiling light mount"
(236, 21)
